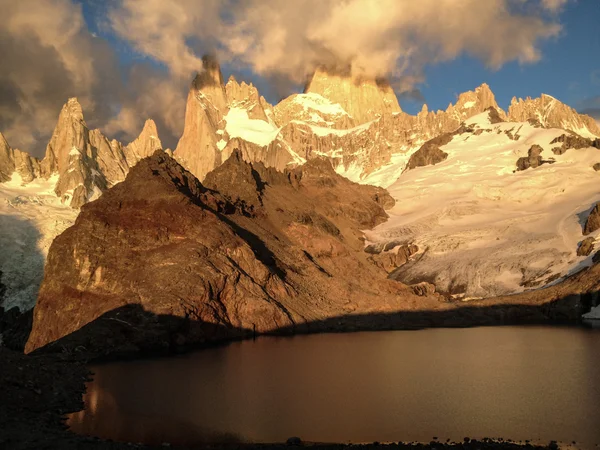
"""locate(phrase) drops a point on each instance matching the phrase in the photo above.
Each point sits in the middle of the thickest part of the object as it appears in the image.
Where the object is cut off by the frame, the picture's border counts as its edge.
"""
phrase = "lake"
(537, 383)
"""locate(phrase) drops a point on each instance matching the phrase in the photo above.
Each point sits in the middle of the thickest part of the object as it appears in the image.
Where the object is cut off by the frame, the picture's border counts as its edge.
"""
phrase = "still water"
(538, 383)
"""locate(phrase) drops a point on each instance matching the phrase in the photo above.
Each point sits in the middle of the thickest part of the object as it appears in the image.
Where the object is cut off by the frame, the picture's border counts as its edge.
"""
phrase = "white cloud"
(373, 37)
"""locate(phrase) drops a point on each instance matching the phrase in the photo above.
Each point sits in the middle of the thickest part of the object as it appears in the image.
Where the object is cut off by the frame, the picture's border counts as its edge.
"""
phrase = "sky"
(129, 60)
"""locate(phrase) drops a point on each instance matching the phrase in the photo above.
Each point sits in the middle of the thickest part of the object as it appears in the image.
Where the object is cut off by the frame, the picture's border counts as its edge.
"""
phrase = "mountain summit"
(363, 99)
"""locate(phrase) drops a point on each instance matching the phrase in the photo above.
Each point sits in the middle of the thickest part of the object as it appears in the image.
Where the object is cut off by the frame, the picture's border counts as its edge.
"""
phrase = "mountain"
(484, 226)
(266, 250)
(13, 160)
(173, 262)
(362, 98)
(448, 171)
(219, 119)
(551, 113)
(86, 162)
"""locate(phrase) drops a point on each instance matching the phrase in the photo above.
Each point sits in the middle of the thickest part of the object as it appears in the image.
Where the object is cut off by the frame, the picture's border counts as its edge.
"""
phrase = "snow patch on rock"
(239, 125)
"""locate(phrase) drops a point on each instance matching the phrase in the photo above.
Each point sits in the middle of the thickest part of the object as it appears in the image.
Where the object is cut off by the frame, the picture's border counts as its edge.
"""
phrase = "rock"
(246, 96)
(570, 141)
(423, 289)
(206, 105)
(86, 162)
(389, 260)
(363, 99)
(592, 222)
(585, 247)
(294, 441)
(145, 145)
(430, 152)
(533, 159)
(494, 115)
(13, 160)
(596, 166)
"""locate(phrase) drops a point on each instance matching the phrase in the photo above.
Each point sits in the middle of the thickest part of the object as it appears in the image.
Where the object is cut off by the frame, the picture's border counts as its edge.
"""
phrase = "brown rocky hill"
(273, 250)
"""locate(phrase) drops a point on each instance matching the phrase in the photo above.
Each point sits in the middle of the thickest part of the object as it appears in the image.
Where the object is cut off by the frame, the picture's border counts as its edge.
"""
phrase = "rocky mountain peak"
(144, 145)
(245, 96)
(552, 113)
(197, 148)
(363, 98)
(209, 83)
(474, 102)
(72, 110)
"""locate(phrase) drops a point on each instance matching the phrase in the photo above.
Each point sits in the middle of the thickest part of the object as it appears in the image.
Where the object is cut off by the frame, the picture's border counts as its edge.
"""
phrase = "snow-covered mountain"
(482, 227)
(485, 228)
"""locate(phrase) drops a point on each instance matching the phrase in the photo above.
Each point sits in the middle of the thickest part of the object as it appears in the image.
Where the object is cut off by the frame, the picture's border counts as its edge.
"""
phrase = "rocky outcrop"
(7, 163)
(532, 160)
(255, 249)
(173, 262)
(551, 113)
(389, 259)
(430, 152)
(221, 118)
(312, 109)
(585, 247)
(494, 115)
(592, 222)
(145, 145)
(13, 160)
(566, 142)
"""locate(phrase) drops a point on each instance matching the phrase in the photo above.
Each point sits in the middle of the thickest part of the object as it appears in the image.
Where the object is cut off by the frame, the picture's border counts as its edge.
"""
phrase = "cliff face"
(363, 99)
(220, 118)
(246, 96)
(13, 160)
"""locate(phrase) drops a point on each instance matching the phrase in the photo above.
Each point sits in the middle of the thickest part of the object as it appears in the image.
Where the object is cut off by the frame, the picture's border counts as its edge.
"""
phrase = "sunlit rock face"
(84, 160)
(551, 113)
(13, 160)
(246, 96)
(363, 99)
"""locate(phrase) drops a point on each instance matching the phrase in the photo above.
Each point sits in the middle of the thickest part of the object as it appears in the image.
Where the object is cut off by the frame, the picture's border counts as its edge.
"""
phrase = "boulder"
(533, 158)
(585, 247)
(592, 222)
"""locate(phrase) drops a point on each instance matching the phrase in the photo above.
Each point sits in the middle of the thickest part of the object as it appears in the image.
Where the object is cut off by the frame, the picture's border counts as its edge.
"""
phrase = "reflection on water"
(536, 383)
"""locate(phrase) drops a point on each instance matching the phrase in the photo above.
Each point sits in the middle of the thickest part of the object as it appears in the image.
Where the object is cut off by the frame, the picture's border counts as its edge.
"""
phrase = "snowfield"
(31, 216)
(484, 229)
